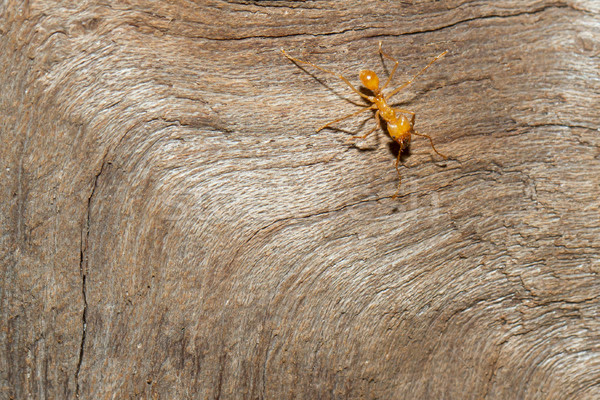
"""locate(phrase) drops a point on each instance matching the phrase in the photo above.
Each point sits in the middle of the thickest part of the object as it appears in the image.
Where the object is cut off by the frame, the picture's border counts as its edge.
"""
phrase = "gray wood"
(171, 226)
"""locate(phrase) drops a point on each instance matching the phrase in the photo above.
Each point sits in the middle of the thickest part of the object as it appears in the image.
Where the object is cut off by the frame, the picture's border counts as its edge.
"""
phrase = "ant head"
(370, 80)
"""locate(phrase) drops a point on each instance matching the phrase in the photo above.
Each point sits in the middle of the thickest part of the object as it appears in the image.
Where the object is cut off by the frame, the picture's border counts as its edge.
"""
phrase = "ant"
(399, 127)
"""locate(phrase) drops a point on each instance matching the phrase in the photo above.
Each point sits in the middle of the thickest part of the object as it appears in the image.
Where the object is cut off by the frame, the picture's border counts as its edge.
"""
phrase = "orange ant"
(399, 127)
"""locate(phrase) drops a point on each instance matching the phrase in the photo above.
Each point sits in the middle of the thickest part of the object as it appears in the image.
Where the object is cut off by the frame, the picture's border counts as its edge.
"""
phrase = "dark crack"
(83, 330)
(484, 17)
(555, 5)
(560, 125)
(85, 234)
(311, 215)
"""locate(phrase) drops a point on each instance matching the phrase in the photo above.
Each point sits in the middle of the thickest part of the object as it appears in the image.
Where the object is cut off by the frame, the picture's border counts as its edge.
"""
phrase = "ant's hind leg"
(328, 71)
(344, 117)
(399, 88)
(377, 126)
(393, 69)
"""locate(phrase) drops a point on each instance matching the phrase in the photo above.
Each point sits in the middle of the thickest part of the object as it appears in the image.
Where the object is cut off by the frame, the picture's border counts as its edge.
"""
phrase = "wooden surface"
(171, 226)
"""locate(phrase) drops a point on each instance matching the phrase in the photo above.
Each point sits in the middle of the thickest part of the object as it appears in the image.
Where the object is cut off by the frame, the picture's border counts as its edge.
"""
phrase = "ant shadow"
(395, 149)
(361, 89)
(327, 86)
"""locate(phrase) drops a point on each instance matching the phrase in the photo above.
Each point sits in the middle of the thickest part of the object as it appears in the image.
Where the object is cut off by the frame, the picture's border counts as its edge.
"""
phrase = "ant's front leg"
(431, 141)
(399, 175)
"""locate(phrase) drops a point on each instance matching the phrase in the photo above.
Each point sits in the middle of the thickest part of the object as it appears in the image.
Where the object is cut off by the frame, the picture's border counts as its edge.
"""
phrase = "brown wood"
(173, 227)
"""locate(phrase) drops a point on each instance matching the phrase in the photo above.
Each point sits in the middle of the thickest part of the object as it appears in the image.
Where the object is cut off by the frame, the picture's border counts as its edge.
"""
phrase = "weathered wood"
(173, 227)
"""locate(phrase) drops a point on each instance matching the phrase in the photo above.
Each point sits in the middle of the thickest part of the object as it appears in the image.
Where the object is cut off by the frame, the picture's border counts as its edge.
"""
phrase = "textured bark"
(171, 226)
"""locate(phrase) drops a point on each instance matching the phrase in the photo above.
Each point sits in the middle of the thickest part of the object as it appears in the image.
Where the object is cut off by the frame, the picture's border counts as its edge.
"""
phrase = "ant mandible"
(399, 127)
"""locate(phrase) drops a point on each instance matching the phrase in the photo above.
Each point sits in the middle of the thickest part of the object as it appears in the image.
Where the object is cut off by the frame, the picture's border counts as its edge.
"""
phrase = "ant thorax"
(385, 111)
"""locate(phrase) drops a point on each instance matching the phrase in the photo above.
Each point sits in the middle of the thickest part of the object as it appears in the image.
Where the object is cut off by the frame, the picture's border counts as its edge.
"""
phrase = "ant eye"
(369, 79)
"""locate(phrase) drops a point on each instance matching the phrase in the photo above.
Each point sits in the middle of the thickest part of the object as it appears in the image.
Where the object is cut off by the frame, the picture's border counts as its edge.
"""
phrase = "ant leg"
(399, 176)
(329, 72)
(346, 116)
(412, 114)
(393, 69)
(415, 77)
(377, 126)
(431, 140)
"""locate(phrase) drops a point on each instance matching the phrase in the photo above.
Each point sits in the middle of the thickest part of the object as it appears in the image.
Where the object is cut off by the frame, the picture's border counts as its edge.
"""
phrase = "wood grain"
(171, 226)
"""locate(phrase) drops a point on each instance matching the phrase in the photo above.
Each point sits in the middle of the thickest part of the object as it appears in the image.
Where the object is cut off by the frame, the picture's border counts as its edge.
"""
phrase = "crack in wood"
(82, 270)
